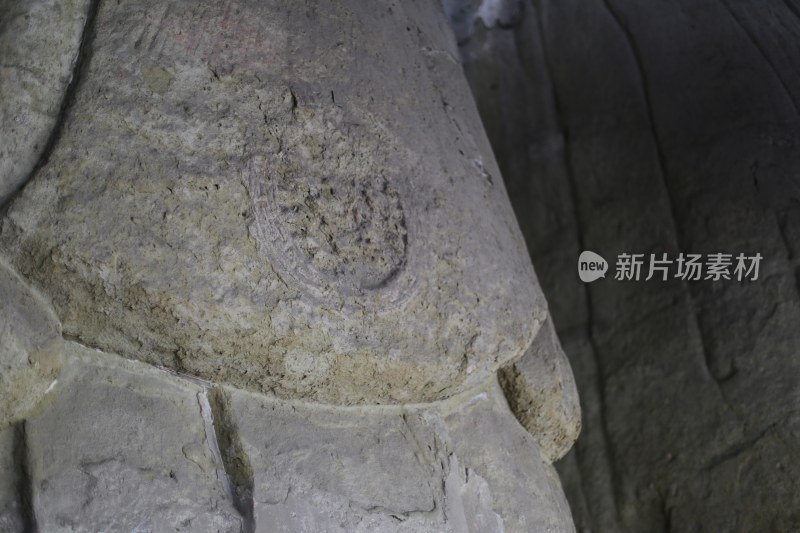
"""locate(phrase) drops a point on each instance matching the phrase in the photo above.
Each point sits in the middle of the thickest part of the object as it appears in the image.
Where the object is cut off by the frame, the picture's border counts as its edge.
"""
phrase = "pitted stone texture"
(328, 220)
(124, 448)
(39, 42)
(461, 465)
(30, 347)
(542, 394)
(332, 228)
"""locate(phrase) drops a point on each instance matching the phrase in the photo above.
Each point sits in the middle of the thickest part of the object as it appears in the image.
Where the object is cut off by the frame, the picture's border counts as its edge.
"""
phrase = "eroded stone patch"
(328, 208)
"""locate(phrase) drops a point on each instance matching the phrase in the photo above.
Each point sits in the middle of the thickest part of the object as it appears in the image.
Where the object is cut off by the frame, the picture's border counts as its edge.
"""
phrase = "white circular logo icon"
(591, 266)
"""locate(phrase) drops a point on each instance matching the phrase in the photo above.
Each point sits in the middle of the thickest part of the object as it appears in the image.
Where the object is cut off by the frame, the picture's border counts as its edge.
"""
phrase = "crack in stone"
(782, 222)
(737, 449)
(598, 385)
(232, 456)
(23, 478)
(763, 53)
(663, 174)
(211, 439)
(792, 8)
(79, 66)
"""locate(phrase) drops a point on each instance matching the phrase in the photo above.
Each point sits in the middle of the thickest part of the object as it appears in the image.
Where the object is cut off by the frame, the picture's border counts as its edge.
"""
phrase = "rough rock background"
(656, 127)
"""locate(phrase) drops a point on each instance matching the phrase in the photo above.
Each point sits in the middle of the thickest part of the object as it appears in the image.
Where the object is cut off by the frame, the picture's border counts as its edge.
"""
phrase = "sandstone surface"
(289, 199)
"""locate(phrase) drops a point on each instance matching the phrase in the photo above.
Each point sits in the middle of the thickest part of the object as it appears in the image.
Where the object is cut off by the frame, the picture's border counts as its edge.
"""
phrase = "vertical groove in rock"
(752, 39)
(707, 356)
(661, 160)
(81, 60)
(795, 11)
(24, 483)
(680, 139)
(607, 452)
(644, 85)
(234, 458)
(782, 222)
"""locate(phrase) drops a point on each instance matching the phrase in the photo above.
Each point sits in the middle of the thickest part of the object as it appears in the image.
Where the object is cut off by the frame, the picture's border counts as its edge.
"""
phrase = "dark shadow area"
(652, 128)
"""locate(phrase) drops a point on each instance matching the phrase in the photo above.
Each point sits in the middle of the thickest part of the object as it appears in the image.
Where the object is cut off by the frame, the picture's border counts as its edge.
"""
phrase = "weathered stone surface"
(39, 42)
(286, 198)
(541, 391)
(464, 464)
(124, 447)
(660, 127)
(127, 447)
(493, 447)
(30, 346)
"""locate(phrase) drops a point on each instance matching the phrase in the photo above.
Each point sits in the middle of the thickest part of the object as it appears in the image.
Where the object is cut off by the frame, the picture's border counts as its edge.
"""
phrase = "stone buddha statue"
(259, 272)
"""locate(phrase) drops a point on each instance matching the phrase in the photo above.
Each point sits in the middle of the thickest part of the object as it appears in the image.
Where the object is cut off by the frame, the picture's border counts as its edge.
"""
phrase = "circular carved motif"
(328, 214)
(352, 230)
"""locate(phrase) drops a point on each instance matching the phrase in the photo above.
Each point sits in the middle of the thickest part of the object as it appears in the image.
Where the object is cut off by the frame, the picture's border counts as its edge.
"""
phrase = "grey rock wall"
(659, 127)
(12, 478)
